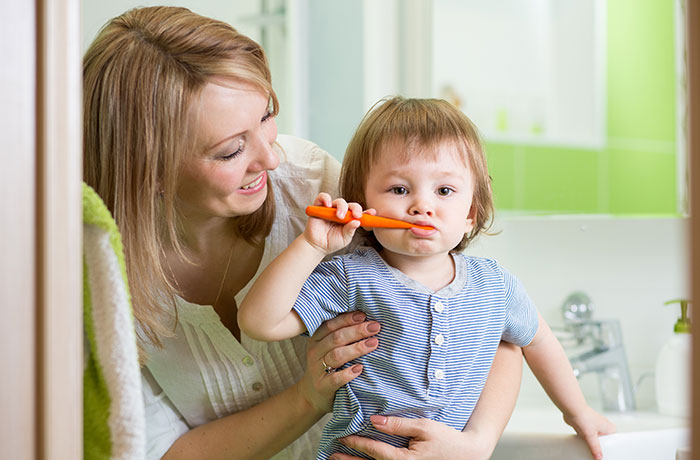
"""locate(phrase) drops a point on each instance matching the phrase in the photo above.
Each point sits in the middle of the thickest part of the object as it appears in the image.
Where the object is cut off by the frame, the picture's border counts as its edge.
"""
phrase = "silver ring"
(326, 367)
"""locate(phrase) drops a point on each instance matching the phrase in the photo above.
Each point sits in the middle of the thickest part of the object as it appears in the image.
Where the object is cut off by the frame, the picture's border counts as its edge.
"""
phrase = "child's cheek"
(381, 235)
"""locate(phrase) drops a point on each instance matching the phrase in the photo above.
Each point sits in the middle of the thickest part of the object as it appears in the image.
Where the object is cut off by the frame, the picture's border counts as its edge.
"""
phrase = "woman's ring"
(326, 367)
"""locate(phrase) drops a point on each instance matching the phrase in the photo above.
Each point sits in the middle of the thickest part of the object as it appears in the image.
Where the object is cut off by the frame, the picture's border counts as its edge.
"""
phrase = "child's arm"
(266, 312)
(549, 363)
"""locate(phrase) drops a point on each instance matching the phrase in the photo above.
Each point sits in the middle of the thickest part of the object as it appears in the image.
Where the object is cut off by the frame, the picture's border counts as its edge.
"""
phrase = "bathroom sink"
(541, 434)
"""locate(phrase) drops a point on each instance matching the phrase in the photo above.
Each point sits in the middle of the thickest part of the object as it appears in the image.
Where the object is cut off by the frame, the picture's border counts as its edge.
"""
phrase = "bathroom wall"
(336, 73)
(640, 166)
(628, 266)
(635, 164)
(95, 14)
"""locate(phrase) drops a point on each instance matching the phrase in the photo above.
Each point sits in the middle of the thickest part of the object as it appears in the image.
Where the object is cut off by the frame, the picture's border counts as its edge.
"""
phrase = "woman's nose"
(265, 158)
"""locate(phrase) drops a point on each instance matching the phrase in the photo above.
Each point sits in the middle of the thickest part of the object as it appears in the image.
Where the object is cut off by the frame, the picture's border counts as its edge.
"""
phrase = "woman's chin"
(249, 206)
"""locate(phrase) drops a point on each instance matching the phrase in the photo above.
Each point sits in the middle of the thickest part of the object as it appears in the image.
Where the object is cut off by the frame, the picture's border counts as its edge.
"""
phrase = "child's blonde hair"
(419, 123)
(142, 80)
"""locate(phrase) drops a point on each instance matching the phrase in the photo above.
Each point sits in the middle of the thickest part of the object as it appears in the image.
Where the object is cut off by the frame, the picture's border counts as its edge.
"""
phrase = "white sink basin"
(541, 434)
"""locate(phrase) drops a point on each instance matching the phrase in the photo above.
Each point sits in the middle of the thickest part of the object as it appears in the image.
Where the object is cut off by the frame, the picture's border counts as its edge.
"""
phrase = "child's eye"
(398, 190)
(444, 191)
(267, 116)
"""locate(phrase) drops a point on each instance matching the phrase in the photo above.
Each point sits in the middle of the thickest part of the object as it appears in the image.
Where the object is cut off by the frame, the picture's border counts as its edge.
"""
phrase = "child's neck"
(434, 272)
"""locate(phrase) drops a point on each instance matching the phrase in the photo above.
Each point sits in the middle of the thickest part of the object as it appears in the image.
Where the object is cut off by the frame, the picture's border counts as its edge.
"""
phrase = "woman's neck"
(219, 264)
(202, 235)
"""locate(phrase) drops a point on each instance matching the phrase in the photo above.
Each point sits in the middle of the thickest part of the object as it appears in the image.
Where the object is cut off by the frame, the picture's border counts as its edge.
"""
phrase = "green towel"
(113, 414)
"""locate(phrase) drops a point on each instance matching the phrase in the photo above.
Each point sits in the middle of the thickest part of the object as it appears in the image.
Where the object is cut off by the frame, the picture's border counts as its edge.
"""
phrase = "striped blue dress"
(435, 348)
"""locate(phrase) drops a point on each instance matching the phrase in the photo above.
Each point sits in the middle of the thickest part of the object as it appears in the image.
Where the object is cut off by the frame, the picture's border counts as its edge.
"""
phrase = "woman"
(180, 142)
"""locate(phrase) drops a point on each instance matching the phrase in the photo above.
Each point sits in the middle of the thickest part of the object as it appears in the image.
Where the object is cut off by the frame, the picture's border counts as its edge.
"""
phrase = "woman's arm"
(256, 433)
(265, 429)
(436, 440)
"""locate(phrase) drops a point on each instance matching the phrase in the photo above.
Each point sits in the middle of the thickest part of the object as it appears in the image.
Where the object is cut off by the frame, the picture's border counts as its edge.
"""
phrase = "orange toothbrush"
(366, 220)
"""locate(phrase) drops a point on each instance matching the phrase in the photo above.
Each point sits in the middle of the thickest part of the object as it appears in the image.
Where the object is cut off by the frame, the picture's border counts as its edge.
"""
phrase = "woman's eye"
(267, 116)
(444, 191)
(238, 151)
(399, 190)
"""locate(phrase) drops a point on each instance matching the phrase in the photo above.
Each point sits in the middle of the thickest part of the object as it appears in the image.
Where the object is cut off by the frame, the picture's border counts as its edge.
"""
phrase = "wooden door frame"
(18, 333)
(40, 272)
(693, 33)
(59, 230)
(41, 336)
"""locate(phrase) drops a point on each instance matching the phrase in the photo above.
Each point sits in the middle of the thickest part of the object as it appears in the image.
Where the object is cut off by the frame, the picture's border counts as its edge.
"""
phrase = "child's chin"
(420, 249)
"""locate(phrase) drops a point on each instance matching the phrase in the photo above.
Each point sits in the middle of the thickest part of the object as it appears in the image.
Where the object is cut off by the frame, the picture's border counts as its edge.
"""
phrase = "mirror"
(581, 103)
(631, 163)
(530, 72)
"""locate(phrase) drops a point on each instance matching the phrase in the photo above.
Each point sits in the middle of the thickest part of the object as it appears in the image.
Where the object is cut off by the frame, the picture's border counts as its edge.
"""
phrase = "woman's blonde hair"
(142, 79)
(419, 125)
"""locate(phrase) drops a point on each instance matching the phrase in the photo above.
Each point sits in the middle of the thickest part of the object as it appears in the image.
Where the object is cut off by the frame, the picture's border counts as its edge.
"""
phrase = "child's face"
(436, 192)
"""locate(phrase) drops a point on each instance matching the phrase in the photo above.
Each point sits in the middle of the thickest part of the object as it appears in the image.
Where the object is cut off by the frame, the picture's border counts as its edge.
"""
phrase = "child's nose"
(421, 207)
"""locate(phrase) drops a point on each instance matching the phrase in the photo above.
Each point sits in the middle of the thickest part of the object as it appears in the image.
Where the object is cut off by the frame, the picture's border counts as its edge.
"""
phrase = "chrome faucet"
(603, 352)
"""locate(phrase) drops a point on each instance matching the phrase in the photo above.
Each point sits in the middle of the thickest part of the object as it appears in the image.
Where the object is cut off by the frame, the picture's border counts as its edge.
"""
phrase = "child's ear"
(471, 219)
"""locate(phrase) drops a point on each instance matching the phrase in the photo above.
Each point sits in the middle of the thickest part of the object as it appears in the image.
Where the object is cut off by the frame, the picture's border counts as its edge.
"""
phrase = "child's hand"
(589, 424)
(327, 236)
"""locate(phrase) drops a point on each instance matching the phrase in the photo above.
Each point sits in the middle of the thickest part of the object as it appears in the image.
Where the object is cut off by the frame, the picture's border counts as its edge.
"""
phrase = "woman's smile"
(255, 186)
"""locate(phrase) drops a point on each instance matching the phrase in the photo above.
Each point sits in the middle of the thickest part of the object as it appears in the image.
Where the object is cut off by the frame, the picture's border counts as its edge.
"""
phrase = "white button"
(439, 307)
(439, 374)
(439, 339)
(248, 361)
(257, 386)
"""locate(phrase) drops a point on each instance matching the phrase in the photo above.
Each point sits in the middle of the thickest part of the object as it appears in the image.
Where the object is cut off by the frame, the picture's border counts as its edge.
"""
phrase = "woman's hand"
(329, 237)
(336, 342)
(430, 440)
(434, 440)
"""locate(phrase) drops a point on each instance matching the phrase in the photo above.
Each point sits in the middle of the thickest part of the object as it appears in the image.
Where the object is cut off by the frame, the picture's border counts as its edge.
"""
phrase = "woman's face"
(226, 174)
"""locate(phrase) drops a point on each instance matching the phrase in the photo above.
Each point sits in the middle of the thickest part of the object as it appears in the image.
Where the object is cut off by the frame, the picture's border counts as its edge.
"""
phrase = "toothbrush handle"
(325, 213)
(367, 220)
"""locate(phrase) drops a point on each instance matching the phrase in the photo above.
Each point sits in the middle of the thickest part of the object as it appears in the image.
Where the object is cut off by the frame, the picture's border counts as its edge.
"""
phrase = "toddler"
(442, 313)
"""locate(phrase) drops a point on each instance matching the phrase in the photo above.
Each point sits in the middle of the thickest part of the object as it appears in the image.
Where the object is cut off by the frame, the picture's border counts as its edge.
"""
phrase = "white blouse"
(203, 373)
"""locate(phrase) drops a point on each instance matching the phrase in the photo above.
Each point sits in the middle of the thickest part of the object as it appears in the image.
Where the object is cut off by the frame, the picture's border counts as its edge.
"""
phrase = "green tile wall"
(635, 174)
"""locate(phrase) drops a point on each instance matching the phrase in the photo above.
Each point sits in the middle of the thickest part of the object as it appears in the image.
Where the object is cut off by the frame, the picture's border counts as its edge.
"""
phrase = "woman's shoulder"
(303, 153)
(305, 170)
